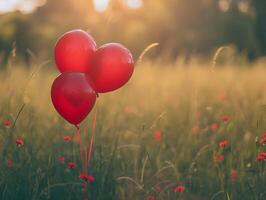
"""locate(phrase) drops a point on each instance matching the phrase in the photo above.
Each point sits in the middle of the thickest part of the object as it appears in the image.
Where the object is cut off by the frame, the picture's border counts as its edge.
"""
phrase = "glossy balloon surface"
(113, 66)
(73, 96)
(74, 52)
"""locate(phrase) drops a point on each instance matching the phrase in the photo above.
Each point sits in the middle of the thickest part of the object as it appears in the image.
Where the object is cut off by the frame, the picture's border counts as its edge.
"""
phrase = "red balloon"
(74, 51)
(113, 66)
(73, 96)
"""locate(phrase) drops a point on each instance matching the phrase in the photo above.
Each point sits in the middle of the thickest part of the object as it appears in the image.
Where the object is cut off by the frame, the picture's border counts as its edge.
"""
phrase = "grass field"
(174, 131)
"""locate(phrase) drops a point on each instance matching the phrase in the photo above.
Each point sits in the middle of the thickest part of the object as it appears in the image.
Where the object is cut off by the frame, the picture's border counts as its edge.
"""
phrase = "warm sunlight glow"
(100, 5)
(7, 5)
(134, 3)
(25, 6)
(243, 7)
(224, 5)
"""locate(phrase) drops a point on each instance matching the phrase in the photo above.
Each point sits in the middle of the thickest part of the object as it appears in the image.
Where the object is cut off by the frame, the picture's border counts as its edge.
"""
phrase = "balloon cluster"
(85, 72)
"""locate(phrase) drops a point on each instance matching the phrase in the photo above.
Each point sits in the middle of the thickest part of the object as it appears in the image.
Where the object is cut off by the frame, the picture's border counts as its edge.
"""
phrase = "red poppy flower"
(263, 154)
(19, 142)
(157, 136)
(71, 164)
(214, 126)
(195, 129)
(226, 118)
(82, 175)
(259, 158)
(180, 188)
(90, 178)
(150, 197)
(219, 158)
(7, 123)
(233, 175)
(61, 159)
(9, 163)
(264, 134)
(262, 141)
(67, 138)
(223, 143)
(86, 177)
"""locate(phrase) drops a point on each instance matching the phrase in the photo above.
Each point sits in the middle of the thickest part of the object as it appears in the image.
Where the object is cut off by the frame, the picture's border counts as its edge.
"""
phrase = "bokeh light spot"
(101, 5)
(134, 3)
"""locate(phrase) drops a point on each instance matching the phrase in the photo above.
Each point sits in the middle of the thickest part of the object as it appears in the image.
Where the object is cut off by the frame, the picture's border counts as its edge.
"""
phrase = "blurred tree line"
(182, 27)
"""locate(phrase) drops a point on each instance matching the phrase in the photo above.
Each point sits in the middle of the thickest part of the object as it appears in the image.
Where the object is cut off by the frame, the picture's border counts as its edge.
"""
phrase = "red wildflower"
(61, 159)
(19, 142)
(86, 177)
(67, 138)
(226, 118)
(262, 141)
(195, 129)
(91, 178)
(259, 158)
(9, 163)
(264, 134)
(214, 126)
(180, 188)
(7, 123)
(150, 197)
(263, 154)
(157, 136)
(233, 175)
(219, 158)
(223, 143)
(71, 164)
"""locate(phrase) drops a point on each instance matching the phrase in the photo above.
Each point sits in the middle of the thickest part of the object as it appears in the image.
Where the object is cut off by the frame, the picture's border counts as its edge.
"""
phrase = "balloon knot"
(77, 126)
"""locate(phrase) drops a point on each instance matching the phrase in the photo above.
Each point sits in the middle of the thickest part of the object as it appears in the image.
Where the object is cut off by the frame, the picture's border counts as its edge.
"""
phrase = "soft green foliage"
(128, 161)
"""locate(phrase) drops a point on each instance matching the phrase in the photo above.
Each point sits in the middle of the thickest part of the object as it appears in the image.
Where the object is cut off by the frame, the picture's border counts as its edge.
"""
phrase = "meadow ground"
(174, 131)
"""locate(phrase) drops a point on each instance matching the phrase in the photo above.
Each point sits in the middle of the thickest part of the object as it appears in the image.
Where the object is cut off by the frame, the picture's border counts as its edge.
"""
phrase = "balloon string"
(78, 140)
(85, 156)
(85, 149)
(92, 135)
(88, 154)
